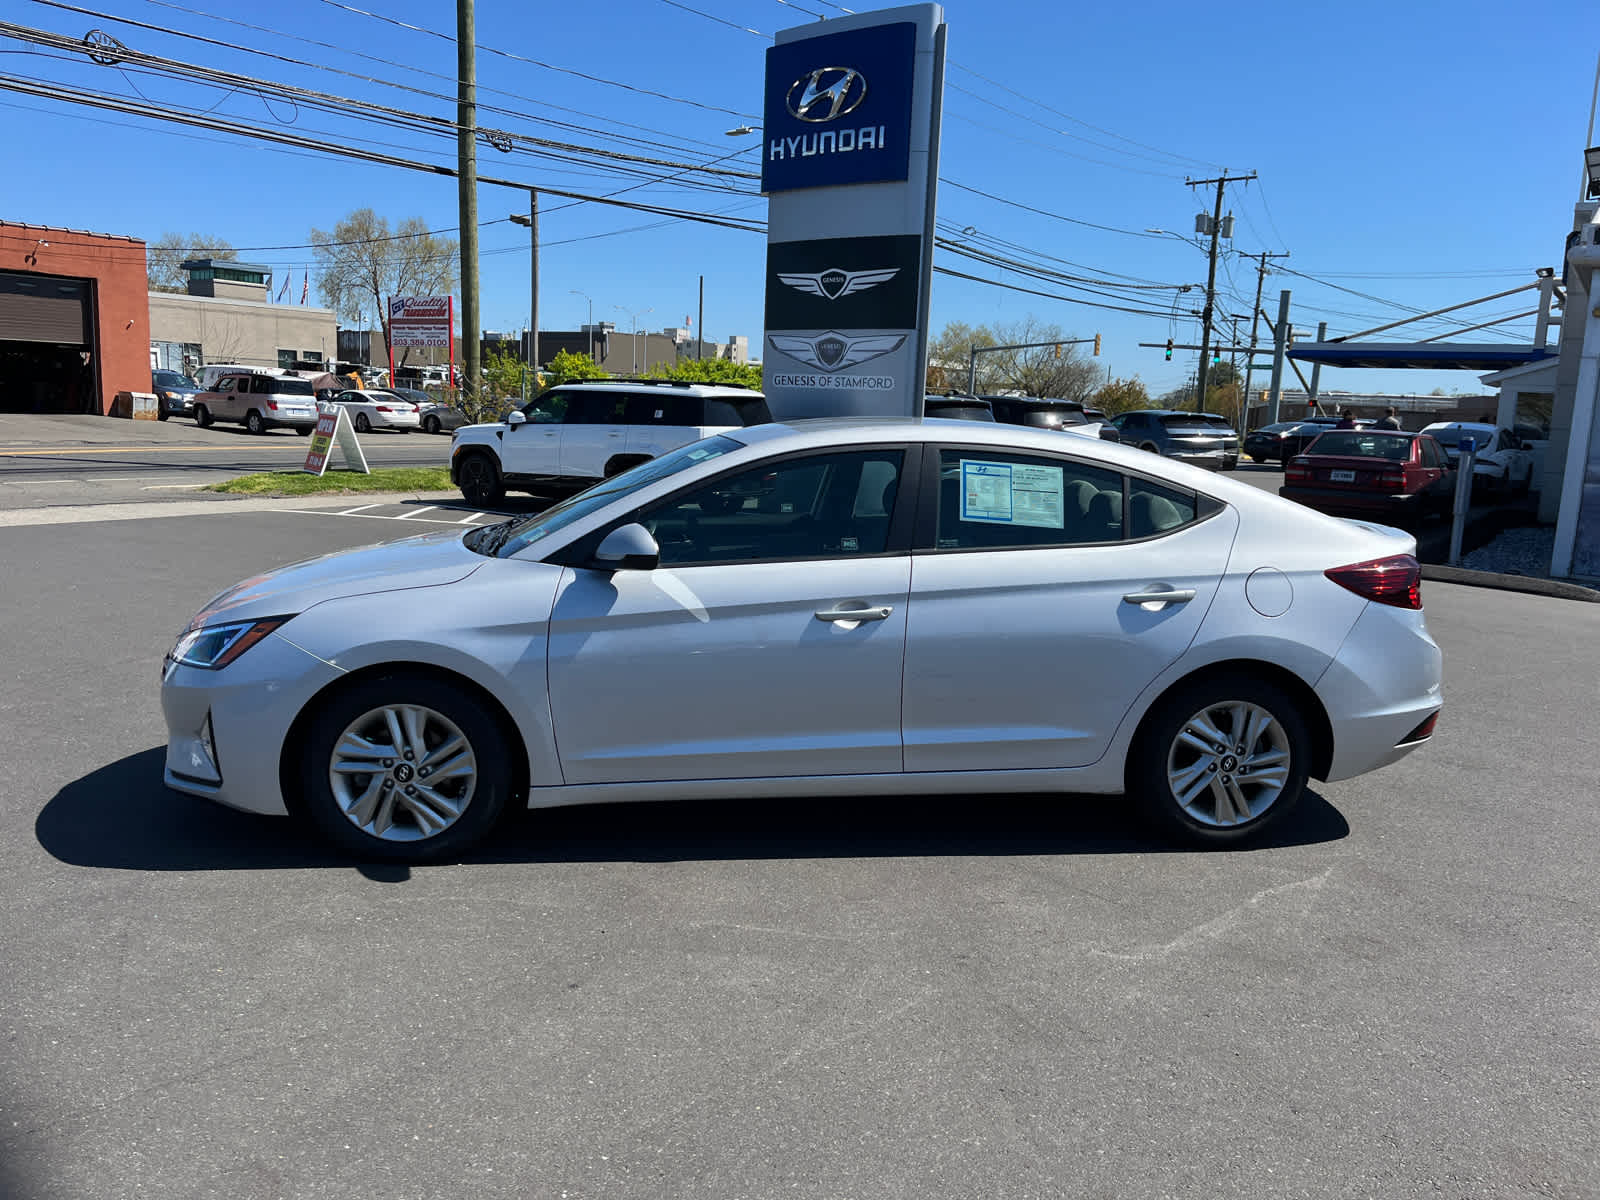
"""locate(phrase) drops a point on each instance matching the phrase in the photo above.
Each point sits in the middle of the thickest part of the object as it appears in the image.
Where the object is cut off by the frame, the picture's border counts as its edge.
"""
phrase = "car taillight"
(1396, 580)
(383, 408)
(272, 405)
(1392, 479)
(1298, 471)
(1422, 732)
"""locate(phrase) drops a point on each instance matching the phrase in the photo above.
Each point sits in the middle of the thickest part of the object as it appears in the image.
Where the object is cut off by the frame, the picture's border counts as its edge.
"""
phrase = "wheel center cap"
(1229, 762)
(403, 772)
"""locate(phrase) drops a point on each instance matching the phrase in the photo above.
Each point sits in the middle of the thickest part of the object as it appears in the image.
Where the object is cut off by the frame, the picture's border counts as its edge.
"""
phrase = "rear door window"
(994, 499)
(595, 408)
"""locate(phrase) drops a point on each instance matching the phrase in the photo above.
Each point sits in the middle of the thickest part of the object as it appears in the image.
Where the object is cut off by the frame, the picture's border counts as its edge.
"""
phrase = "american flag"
(305, 288)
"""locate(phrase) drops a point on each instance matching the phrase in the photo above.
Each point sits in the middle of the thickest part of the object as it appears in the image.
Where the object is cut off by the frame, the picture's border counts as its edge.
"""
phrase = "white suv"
(607, 426)
(259, 403)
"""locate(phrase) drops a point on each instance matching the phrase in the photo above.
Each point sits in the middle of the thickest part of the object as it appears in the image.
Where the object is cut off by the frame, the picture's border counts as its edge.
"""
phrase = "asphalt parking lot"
(944, 997)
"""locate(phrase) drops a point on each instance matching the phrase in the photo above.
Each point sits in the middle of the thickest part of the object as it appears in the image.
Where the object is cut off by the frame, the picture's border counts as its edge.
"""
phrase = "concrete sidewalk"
(20, 431)
(218, 504)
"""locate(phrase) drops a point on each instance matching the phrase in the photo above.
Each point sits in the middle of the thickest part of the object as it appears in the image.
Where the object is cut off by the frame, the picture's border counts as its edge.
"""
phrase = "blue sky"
(1421, 154)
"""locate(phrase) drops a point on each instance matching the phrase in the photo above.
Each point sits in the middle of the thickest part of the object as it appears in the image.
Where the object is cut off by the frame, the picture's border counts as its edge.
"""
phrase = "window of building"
(286, 359)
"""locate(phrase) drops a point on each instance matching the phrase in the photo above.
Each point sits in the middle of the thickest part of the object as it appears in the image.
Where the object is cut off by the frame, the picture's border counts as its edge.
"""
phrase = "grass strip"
(298, 483)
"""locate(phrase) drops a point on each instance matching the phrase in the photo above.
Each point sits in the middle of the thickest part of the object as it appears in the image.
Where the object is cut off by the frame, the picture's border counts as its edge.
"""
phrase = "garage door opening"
(46, 364)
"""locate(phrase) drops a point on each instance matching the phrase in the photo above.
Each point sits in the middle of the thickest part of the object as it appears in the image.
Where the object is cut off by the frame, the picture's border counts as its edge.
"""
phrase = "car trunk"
(1357, 472)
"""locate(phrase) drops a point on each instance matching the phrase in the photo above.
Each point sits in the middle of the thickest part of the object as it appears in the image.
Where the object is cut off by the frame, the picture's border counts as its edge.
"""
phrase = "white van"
(209, 374)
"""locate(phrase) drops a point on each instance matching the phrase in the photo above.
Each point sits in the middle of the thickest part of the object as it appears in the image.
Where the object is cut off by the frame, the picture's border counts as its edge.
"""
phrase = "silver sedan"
(842, 607)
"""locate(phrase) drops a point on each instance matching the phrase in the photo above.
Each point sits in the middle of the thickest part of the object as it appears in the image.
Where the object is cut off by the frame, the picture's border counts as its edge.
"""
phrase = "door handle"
(881, 612)
(1160, 594)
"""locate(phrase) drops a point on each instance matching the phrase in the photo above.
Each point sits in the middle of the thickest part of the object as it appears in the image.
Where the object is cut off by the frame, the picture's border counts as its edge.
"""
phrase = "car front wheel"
(1219, 760)
(480, 480)
(430, 424)
(405, 768)
(254, 423)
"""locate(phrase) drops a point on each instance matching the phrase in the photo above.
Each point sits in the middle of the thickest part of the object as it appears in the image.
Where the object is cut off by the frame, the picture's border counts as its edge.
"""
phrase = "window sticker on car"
(1012, 494)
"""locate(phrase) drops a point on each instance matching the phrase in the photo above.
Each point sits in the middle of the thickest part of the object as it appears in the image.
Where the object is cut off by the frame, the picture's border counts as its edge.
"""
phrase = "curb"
(1511, 583)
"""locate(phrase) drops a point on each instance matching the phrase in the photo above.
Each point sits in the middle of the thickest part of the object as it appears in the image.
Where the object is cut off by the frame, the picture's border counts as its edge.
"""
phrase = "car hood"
(431, 560)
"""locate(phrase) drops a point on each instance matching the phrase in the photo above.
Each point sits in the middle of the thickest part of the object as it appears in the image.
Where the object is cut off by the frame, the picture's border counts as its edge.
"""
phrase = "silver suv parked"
(259, 402)
(1200, 439)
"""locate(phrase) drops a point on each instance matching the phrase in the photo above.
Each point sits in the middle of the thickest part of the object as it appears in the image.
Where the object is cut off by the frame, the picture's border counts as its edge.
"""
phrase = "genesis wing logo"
(834, 351)
(834, 284)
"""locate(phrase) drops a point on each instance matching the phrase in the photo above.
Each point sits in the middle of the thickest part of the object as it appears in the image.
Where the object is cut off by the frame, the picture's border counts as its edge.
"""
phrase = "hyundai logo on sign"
(823, 125)
(845, 90)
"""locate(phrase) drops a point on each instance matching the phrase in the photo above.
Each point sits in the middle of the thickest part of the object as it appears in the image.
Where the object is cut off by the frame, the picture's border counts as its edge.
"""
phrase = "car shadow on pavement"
(123, 817)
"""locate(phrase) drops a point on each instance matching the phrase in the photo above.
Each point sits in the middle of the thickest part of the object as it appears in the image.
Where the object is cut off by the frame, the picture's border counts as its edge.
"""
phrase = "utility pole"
(467, 164)
(700, 338)
(1255, 317)
(1280, 347)
(1211, 276)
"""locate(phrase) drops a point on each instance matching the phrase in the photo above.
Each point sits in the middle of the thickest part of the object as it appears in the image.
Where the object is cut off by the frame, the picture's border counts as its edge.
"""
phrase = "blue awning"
(1423, 356)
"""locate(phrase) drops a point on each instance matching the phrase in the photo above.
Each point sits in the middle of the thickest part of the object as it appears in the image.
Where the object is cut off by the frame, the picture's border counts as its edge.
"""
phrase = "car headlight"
(212, 647)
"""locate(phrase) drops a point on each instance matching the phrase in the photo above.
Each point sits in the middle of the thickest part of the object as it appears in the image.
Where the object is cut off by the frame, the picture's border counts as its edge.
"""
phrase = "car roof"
(1485, 426)
(705, 391)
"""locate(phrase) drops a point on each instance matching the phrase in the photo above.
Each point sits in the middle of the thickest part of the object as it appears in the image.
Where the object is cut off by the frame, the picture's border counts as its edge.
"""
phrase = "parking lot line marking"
(469, 518)
(329, 512)
(416, 512)
(350, 512)
(156, 487)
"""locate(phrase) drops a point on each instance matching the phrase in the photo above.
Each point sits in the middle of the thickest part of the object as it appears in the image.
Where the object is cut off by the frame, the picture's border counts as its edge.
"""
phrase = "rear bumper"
(1382, 684)
(1369, 504)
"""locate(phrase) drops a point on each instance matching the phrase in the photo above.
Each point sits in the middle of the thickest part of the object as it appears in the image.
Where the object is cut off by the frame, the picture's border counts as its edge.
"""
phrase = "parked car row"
(262, 400)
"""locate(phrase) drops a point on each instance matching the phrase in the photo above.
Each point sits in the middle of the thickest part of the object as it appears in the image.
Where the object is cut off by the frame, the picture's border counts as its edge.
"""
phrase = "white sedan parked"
(1500, 459)
(379, 410)
(867, 608)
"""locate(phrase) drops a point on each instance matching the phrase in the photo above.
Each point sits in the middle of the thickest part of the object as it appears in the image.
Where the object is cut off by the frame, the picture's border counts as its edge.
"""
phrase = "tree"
(1121, 395)
(567, 366)
(1056, 369)
(164, 256)
(361, 265)
(710, 370)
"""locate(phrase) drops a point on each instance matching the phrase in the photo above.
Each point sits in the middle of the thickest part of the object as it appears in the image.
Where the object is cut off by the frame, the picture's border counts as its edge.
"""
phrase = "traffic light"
(1216, 358)
(1169, 349)
(1097, 345)
(1058, 349)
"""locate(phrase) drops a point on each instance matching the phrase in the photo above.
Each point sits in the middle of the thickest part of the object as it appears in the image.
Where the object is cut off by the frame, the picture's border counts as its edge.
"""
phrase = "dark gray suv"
(1200, 439)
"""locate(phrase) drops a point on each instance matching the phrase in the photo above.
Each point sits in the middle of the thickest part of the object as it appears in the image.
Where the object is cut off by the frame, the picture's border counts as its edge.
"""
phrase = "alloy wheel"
(403, 773)
(1229, 763)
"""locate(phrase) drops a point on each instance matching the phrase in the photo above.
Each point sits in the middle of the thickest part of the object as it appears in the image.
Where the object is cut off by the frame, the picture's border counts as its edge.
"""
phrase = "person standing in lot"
(1347, 419)
(1388, 421)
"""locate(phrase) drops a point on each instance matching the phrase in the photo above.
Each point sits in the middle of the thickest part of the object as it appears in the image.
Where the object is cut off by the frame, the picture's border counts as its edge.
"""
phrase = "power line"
(1044, 212)
(1012, 287)
(534, 62)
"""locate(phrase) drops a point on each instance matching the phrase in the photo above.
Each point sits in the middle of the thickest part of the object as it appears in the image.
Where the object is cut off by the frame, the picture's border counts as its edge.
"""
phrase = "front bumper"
(225, 729)
(1382, 684)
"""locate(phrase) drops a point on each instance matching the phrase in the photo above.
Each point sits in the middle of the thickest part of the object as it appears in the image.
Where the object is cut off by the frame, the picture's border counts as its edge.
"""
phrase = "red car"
(1387, 475)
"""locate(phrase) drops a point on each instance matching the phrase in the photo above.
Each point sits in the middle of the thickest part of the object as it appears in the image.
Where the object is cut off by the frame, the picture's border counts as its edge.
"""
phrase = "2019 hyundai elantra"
(855, 607)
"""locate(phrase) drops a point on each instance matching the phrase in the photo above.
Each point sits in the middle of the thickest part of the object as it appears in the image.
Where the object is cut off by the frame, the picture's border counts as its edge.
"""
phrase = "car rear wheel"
(202, 416)
(362, 424)
(303, 430)
(1219, 760)
(404, 768)
(1151, 447)
(430, 424)
(254, 423)
(480, 480)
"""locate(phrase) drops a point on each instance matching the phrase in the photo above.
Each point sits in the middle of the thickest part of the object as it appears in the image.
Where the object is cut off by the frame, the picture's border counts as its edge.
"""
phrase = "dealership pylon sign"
(850, 164)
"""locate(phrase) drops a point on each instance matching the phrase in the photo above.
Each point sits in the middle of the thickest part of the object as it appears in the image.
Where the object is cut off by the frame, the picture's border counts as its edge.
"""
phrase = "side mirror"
(516, 418)
(628, 548)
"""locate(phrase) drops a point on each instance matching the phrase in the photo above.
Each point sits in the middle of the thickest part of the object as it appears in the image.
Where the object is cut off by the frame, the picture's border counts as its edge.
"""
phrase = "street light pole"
(532, 222)
(633, 317)
(585, 295)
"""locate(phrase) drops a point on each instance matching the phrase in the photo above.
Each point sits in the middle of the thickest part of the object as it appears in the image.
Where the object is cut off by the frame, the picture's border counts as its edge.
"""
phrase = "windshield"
(171, 379)
(509, 537)
(1362, 445)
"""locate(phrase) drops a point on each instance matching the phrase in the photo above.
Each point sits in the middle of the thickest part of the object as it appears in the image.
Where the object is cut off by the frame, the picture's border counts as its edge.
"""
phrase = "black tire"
(430, 424)
(1151, 447)
(1207, 822)
(1256, 458)
(304, 430)
(362, 424)
(161, 411)
(479, 479)
(202, 416)
(485, 798)
(254, 423)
